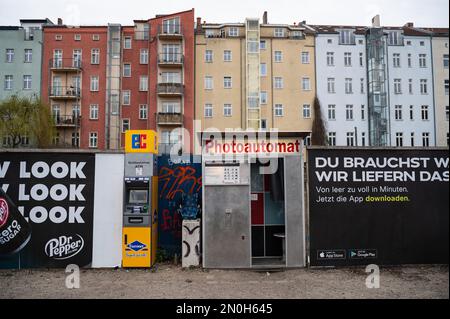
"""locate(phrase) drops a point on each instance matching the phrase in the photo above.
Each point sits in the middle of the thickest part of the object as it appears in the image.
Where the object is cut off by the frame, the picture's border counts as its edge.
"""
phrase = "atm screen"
(138, 197)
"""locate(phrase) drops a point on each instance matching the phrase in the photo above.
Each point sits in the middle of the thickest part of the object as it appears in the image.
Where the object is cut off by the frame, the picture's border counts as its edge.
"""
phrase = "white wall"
(340, 72)
(108, 206)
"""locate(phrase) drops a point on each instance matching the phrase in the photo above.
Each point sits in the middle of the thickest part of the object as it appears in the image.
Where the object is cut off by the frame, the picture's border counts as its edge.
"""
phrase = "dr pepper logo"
(4, 212)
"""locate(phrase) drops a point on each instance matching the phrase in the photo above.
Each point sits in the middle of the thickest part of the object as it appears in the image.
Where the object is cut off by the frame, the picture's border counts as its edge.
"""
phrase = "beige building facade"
(254, 75)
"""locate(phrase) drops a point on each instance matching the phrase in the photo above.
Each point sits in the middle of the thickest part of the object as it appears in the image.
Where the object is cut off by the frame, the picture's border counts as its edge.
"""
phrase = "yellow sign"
(141, 142)
(137, 248)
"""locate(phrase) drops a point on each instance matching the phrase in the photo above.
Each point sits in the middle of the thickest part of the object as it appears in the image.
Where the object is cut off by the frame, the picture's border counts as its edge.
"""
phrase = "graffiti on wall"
(180, 184)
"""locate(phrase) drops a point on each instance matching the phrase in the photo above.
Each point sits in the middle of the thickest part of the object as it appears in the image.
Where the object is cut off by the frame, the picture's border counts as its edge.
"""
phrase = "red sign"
(4, 212)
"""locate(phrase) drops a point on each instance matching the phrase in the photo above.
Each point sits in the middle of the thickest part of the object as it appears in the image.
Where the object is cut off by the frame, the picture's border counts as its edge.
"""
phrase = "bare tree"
(319, 131)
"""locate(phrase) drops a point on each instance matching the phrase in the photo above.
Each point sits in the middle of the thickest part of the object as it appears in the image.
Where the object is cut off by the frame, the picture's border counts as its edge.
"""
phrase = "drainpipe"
(434, 91)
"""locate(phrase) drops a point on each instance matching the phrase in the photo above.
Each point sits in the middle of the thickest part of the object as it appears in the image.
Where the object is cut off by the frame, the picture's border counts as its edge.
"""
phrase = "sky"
(425, 13)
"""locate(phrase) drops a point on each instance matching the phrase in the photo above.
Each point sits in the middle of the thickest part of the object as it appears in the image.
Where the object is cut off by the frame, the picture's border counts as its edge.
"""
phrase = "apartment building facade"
(254, 75)
(341, 68)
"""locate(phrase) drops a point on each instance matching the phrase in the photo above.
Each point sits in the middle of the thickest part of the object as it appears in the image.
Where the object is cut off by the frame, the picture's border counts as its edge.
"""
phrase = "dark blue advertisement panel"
(54, 192)
(378, 206)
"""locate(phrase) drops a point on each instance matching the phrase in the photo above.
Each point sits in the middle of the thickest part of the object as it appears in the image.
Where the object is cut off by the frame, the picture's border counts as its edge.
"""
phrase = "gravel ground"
(168, 281)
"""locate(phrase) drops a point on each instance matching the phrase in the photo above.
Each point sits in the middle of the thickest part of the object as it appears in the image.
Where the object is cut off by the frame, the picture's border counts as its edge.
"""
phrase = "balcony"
(67, 121)
(169, 118)
(170, 31)
(170, 89)
(66, 65)
(65, 93)
(171, 59)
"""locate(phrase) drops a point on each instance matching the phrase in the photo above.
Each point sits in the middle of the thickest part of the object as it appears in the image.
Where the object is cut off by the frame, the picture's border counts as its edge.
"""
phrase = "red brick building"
(102, 81)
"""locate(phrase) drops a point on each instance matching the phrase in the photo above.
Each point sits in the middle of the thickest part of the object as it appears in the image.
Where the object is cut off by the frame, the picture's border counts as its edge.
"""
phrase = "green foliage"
(22, 117)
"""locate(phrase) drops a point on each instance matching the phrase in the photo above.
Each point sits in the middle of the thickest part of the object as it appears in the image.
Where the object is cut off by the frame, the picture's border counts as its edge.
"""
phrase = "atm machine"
(140, 212)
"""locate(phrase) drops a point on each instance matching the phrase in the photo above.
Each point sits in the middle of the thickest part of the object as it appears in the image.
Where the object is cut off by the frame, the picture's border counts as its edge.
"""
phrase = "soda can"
(15, 231)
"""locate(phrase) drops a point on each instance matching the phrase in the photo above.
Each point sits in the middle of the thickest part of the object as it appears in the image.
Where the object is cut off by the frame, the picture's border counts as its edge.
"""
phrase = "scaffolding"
(377, 88)
(252, 74)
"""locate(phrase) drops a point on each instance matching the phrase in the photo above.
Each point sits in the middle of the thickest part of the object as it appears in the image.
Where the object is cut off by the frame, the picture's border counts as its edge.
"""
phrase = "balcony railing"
(170, 59)
(170, 89)
(66, 64)
(163, 118)
(65, 92)
(170, 30)
(67, 120)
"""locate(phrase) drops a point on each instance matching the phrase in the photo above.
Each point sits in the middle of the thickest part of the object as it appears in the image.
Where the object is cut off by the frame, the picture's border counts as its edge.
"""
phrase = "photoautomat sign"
(378, 206)
(55, 194)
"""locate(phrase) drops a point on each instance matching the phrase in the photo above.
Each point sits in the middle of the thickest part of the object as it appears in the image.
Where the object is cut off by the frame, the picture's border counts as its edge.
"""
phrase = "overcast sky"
(353, 12)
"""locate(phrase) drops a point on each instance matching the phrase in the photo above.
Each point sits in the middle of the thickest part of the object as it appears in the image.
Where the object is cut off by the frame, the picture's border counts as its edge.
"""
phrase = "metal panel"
(140, 165)
(227, 242)
(295, 216)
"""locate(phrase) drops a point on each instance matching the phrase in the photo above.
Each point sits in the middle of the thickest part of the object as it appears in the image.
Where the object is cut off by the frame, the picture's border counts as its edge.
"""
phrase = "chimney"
(199, 23)
(376, 21)
(60, 21)
(265, 18)
(409, 25)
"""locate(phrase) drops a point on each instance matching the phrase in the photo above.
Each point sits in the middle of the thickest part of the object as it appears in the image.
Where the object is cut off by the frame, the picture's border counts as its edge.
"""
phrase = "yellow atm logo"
(141, 142)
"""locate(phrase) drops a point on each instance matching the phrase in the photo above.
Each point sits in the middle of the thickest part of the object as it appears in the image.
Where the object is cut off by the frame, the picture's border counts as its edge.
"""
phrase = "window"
(412, 139)
(9, 55)
(330, 58)
(426, 139)
(396, 60)
(143, 56)
(363, 112)
(93, 112)
(279, 33)
(263, 69)
(408, 43)
(423, 60)
(227, 56)
(397, 86)
(423, 86)
(348, 86)
(446, 87)
(331, 112)
(399, 139)
(395, 38)
(57, 58)
(445, 61)
(125, 125)
(306, 84)
(208, 82)
(422, 43)
(127, 70)
(143, 83)
(411, 112)
(127, 43)
(346, 37)
(447, 113)
(332, 138)
(348, 59)
(171, 26)
(233, 32)
(115, 103)
(95, 56)
(363, 139)
(76, 139)
(350, 139)
(278, 56)
(208, 110)
(208, 56)
(77, 58)
(330, 41)
(331, 85)
(94, 84)
(170, 77)
(361, 59)
(171, 108)
(307, 141)
(349, 112)
(362, 85)
(410, 86)
(425, 115)
(93, 137)
(227, 110)
(279, 82)
(76, 111)
(77, 37)
(126, 97)
(227, 82)
(28, 56)
(305, 58)
(409, 60)
(262, 45)
(360, 41)
(58, 37)
(95, 37)
(263, 124)
(27, 82)
(143, 111)
(263, 97)
(398, 113)
(306, 111)
(279, 110)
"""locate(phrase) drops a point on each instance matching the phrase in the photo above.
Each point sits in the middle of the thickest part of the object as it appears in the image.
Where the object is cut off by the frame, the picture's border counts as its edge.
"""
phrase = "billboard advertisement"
(54, 192)
(378, 206)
